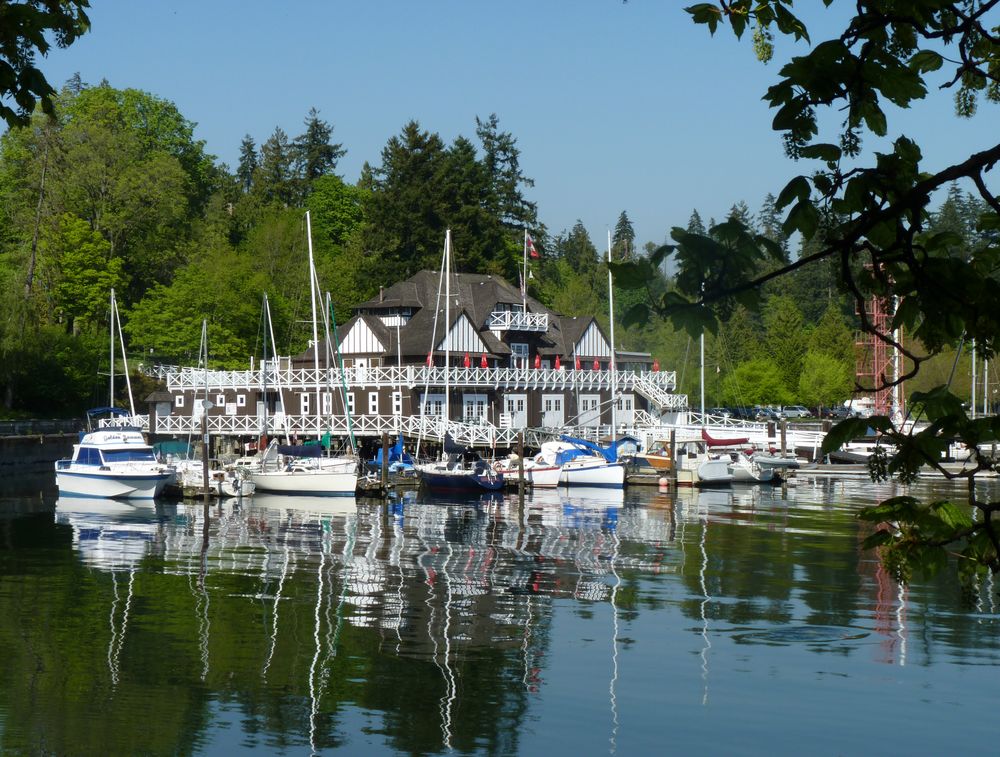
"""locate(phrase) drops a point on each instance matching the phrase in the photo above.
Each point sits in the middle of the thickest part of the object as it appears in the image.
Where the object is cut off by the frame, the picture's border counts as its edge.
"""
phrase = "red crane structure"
(879, 364)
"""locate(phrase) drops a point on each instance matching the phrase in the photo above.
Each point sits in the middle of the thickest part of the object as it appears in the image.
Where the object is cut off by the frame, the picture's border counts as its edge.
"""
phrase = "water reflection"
(424, 626)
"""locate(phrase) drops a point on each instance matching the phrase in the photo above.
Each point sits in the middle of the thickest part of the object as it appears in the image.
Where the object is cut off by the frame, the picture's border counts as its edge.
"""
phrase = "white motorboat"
(113, 464)
(573, 462)
(747, 470)
(224, 482)
(697, 466)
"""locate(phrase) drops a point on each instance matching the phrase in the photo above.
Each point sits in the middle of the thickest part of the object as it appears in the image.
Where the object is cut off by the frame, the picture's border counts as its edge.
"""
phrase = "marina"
(433, 624)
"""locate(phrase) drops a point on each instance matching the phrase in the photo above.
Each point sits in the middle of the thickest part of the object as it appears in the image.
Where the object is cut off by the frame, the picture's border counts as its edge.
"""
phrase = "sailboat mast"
(611, 313)
(312, 297)
(111, 364)
(447, 326)
(701, 343)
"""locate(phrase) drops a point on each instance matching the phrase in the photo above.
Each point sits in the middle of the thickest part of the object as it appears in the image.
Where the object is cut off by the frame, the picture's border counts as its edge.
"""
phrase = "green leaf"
(952, 515)
(925, 60)
(877, 539)
(803, 218)
(797, 189)
(843, 432)
(705, 13)
(829, 153)
(637, 315)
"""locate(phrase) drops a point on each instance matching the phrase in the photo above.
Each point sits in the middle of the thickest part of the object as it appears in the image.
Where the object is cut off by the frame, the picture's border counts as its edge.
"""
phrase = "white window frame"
(327, 400)
(519, 354)
(350, 403)
(220, 400)
(432, 405)
(179, 400)
(397, 403)
(372, 403)
(305, 404)
(474, 407)
(241, 400)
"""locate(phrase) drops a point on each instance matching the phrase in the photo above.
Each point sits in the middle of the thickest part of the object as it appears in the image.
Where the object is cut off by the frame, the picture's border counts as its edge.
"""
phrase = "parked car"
(766, 413)
(795, 411)
(837, 413)
(723, 412)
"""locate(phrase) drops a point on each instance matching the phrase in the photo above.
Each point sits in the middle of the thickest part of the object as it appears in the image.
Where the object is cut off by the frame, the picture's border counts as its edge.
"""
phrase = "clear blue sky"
(614, 106)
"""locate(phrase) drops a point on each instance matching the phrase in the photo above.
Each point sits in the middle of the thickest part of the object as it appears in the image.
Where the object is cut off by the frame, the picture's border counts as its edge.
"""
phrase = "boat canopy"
(714, 442)
(609, 453)
(396, 454)
(300, 450)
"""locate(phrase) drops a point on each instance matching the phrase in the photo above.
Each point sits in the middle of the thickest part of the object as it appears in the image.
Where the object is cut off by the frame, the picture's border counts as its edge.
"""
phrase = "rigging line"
(427, 382)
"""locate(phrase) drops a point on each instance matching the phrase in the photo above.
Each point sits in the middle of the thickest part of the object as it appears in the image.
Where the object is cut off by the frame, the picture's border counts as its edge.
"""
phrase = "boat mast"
(447, 328)
(312, 297)
(111, 364)
(614, 367)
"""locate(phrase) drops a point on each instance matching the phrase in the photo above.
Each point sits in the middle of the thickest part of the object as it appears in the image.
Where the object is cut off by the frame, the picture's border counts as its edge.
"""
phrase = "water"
(743, 622)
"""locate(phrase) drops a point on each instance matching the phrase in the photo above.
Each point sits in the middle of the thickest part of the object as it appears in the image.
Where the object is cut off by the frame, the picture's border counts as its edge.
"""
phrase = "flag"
(521, 278)
(532, 252)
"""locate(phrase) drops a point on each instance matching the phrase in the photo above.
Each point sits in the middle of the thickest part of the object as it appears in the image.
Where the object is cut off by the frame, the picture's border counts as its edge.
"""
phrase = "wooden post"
(520, 465)
(385, 462)
(784, 437)
(204, 459)
(673, 458)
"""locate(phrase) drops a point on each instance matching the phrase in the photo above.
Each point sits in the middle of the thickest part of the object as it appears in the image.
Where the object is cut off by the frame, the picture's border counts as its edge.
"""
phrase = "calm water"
(744, 622)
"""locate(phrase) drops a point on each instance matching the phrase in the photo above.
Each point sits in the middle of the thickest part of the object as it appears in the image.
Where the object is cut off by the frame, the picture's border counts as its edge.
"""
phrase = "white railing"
(512, 320)
(657, 386)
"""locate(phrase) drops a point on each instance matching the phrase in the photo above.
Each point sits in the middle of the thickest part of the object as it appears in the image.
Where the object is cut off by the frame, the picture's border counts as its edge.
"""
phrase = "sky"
(615, 106)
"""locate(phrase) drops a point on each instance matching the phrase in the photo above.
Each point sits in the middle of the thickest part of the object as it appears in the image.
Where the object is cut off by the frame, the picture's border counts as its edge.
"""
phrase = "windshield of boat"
(128, 455)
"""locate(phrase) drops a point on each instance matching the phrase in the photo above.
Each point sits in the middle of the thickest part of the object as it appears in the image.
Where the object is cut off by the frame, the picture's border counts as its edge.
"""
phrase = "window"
(220, 400)
(433, 404)
(474, 408)
(241, 400)
(372, 403)
(304, 404)
(327, 403)
(179, 400)
(519, 354)
(397, 403)
(350, 402)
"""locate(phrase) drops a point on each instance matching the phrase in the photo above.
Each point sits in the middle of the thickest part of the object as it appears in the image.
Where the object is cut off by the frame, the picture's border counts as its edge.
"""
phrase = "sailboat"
(452, 474)
(113, 462)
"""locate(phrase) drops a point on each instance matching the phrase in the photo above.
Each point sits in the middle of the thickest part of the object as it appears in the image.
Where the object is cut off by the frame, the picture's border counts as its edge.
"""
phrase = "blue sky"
(614, 106)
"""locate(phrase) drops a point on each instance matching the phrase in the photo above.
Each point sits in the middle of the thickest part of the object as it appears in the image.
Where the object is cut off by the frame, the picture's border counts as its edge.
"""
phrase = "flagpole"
(611, 313)
(524, 274)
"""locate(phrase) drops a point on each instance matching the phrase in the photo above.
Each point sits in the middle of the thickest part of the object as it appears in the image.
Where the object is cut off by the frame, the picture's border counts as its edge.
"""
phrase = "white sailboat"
(286, 469)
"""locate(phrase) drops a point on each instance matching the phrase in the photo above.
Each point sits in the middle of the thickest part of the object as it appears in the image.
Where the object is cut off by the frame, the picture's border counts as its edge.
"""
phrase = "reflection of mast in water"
(614, 644)
(704, 603)
(277, 602)
(118, 635)
(314, 689)
(431, 577)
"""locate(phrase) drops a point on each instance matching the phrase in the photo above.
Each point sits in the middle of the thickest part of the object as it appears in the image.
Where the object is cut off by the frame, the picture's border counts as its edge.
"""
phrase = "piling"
(385, 462)
(520, 465)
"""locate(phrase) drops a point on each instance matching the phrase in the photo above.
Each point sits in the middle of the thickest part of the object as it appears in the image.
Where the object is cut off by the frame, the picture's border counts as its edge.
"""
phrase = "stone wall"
(34, 451)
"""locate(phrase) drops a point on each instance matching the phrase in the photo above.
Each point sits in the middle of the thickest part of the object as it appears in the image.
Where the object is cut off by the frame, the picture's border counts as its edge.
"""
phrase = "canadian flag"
(531, 246)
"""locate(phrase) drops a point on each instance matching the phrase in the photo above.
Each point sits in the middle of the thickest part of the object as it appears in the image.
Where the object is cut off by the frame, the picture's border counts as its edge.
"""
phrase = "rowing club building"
(484, 365)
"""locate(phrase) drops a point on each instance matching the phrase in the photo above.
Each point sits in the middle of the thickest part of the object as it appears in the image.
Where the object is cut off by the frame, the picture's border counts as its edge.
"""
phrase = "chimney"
(381, 294)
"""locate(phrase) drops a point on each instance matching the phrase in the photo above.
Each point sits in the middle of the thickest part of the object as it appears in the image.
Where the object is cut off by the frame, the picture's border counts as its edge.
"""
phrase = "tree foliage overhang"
(870, 213)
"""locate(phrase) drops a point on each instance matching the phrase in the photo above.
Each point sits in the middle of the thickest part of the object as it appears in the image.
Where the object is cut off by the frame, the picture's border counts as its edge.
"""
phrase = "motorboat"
(695, 464)
(113, 463)
(229, 481)
(578, 462)
(747, 470)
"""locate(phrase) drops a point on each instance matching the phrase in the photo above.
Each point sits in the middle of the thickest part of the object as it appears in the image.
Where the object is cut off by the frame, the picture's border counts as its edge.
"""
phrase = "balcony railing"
(512, 320)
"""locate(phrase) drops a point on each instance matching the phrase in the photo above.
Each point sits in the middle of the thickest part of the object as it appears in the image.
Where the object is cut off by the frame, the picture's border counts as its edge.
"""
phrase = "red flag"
(656, 364)
(578, 362)
(597, 364)
(430, 359)
(482, 362)
(466, 361)
(532, 252)
(558, 364)
(538, 360)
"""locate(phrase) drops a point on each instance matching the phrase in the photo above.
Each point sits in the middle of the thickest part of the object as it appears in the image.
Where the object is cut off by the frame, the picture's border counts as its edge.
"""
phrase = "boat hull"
(449, 481)
(112, 484)
(605, 475)
(316, 483)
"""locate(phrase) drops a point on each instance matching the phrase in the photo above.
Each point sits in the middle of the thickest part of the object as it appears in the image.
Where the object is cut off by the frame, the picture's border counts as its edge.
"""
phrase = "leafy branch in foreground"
(870, 214)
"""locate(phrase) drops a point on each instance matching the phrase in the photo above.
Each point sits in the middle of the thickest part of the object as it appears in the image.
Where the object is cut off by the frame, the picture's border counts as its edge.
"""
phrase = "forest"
(114, 191)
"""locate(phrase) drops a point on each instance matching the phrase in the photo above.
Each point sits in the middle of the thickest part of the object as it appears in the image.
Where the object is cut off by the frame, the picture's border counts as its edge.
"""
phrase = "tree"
(315, 154)
(275, 180)
(785, 338)
(876, 208)
(249, 162)
(26, 28)
(623, 238)
(755, 382)
(824, 380)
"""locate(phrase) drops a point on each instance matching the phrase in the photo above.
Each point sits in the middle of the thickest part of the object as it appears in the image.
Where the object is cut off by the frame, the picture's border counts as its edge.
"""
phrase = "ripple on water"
(802, 635)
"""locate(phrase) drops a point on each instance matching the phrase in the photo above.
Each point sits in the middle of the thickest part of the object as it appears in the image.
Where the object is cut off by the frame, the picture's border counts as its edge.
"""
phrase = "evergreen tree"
(505, 199)
(785, 338)
(314, 154)
(623, 239)
(275, 176)
(249, 163)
